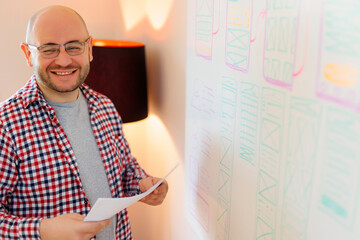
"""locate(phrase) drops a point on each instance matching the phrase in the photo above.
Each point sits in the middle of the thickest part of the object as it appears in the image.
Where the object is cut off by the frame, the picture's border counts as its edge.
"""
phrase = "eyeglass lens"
(72, 48)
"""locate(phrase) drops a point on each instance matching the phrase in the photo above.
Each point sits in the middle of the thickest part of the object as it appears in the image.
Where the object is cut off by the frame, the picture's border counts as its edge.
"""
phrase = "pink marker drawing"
(261, 15)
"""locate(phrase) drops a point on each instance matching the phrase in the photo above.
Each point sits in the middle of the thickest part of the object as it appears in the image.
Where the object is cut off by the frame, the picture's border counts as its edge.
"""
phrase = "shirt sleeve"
(12, 227)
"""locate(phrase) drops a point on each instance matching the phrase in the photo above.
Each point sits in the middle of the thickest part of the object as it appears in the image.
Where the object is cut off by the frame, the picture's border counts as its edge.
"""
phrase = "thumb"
(97, 226)
(145, 184)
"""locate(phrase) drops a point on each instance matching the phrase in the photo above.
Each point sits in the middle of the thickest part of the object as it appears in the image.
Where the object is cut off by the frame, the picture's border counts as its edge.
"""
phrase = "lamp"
(118, 71)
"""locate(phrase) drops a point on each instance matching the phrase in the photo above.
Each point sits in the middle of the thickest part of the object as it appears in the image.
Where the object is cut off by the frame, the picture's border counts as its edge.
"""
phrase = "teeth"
(63, 73)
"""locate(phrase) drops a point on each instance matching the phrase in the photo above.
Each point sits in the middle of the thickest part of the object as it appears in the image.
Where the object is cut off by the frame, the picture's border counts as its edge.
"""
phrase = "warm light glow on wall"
(155, 150)
(158, 11)
(134, 11)
(151, 143)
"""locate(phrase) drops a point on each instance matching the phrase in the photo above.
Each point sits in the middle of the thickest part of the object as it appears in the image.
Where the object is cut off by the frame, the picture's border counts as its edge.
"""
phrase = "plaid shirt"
(39, 176)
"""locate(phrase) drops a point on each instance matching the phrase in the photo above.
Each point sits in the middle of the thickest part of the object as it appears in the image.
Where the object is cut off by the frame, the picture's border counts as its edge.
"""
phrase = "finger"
(155, 180)
(159, 197)
(146, 184)
(158, 190)
(105, 223)
(162, 189)
(94, 227)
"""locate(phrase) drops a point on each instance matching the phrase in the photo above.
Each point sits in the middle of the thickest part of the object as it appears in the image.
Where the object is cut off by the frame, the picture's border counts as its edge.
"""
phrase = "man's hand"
(70, 227)
(158, 195)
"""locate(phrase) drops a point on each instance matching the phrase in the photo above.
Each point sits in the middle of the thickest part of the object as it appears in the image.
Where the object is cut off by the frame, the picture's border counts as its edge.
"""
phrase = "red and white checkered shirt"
(39, 176)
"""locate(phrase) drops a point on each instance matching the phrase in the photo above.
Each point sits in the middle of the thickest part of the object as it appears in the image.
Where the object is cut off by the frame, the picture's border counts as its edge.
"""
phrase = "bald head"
(52, 14)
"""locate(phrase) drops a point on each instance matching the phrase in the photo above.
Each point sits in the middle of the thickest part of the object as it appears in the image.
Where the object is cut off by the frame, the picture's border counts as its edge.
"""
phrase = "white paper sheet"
(105, 208)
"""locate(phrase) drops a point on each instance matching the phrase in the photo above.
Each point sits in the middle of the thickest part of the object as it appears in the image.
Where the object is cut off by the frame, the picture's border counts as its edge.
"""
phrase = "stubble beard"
(45, 77)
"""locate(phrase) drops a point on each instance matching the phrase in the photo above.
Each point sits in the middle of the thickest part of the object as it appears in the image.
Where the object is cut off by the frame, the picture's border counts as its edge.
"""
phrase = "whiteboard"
(273, 119)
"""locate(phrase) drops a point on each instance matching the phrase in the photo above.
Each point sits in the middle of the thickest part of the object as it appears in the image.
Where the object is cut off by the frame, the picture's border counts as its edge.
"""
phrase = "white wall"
(157, 142)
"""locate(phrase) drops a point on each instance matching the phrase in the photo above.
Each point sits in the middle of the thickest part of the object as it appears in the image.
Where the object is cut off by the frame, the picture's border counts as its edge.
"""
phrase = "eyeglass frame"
(59, 46)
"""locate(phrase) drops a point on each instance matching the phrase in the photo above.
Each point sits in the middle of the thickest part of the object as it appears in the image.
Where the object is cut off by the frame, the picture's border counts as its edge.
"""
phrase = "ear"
(25, 48)
(90, 49)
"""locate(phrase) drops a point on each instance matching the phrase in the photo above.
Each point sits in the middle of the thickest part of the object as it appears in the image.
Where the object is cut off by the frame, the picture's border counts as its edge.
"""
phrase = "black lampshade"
(118, 71)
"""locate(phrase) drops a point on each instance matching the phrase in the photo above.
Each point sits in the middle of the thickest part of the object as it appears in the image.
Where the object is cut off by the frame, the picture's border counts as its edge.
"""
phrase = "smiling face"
(58, 78)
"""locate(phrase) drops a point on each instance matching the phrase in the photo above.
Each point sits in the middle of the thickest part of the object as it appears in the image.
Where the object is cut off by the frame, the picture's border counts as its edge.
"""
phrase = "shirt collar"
(31, 93)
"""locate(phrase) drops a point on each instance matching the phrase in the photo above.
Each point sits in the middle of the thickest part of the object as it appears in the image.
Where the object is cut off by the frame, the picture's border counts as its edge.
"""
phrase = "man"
(61, 143)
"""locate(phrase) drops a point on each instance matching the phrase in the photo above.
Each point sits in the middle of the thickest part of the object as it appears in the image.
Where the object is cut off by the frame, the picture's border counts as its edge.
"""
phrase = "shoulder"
(11, 106)
(19, 104)
(99, 102)
(93, 96)
(103, 108)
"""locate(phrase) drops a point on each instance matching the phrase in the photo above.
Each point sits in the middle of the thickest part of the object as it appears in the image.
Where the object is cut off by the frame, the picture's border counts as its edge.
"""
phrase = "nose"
(63, 59)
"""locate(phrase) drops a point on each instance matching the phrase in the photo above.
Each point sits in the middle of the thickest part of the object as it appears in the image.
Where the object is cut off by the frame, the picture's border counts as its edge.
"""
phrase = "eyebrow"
(51, 43)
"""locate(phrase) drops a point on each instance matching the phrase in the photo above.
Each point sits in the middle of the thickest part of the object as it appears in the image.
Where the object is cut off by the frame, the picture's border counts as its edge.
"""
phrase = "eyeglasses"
(52, 50)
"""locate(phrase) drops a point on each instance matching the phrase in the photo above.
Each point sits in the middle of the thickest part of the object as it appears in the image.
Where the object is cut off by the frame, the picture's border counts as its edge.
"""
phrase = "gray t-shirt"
(75, 120)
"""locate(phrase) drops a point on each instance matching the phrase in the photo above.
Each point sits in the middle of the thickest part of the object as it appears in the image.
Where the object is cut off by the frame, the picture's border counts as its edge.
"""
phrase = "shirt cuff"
(29, 228)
